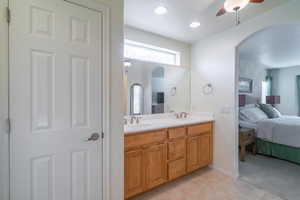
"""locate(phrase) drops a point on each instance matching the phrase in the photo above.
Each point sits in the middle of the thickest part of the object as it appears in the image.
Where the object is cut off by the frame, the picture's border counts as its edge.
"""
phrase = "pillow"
(252, 115)
(277, 111)
(270, 111)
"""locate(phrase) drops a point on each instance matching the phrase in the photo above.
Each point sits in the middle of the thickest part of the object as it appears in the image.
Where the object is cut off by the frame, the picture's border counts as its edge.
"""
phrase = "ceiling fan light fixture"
(234, 5)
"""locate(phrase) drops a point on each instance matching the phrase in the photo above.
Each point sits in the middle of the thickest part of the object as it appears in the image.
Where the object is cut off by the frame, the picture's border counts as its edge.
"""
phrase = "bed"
(278, 137)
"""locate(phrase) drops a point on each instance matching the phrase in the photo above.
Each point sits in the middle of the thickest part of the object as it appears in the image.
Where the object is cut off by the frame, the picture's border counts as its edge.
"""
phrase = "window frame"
(176, 54)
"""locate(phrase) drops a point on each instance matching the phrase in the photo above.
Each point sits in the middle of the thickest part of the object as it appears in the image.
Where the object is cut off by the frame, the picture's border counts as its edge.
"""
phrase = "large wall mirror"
(152, 88)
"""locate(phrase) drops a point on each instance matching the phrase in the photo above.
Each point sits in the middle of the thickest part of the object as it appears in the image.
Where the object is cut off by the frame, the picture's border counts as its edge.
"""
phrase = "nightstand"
(246, 137)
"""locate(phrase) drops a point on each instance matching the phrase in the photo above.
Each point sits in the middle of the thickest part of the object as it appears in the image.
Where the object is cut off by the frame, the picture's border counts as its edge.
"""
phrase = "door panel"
(134, 173)
(192, 153)
(176, 168)
(205, 150)
(156, 165)
(55, 100)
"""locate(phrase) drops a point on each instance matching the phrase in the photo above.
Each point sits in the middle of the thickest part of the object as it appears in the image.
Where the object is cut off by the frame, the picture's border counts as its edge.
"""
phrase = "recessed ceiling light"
(195, 24)
(161, 10)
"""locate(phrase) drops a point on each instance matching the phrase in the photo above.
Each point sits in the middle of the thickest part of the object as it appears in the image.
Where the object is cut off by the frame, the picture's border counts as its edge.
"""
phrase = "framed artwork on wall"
(245, 85)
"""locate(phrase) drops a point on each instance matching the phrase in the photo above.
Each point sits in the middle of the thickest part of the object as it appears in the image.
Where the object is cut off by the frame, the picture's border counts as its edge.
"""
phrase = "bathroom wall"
(214, 61)
(285, 85)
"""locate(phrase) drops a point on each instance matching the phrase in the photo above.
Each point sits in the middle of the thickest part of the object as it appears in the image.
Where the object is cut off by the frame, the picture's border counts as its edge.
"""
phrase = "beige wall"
(214, 61)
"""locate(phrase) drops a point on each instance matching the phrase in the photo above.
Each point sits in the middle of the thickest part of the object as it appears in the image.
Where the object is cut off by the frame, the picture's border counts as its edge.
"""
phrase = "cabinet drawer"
(199, 129)
(176, 149)
(176, 168)
(176, 132)
(140, 139)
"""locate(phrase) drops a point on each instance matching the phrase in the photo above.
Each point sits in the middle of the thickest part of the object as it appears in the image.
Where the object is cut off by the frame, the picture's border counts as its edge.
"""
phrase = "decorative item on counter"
(208, 89)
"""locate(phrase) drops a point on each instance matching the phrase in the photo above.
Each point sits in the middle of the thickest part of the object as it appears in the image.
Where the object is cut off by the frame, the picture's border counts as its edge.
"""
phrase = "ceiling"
(275, 47)
(175, 24)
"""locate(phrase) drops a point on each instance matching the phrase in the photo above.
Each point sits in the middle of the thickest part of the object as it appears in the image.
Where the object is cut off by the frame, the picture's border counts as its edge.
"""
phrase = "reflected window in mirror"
(136, 99)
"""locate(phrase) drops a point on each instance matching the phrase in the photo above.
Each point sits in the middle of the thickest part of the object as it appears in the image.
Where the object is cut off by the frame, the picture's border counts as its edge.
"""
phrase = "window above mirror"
(145, 52)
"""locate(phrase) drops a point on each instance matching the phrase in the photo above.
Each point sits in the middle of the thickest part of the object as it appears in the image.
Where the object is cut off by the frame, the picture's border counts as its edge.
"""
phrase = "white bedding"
(284, 130)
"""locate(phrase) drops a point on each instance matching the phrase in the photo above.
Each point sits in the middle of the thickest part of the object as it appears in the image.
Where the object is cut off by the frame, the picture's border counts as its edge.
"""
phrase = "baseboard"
(225, 172)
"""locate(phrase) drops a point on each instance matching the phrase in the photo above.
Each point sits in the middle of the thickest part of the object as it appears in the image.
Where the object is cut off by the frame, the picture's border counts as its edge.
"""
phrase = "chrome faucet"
(184, 114)
(125, 121)
(132, 119)
(181, 115)
(138, 119)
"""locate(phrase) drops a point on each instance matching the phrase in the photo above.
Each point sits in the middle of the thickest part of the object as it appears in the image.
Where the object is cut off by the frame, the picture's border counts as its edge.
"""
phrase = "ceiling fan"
(235, 6)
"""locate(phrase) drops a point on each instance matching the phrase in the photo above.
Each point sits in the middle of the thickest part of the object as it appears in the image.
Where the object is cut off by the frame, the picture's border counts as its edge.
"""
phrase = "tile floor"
(207, 184)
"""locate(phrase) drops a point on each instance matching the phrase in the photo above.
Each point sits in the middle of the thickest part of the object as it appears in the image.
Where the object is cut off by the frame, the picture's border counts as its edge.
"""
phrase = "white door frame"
(96, 6)
(4, 136)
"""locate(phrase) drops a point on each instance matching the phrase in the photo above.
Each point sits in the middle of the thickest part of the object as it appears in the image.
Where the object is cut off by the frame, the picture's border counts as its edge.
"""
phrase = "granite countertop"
(156, 122)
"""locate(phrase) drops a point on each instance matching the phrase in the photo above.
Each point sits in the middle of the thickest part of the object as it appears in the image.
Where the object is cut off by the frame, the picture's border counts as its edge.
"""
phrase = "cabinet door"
(193, 153)
(134, 173)
(176, 168)
(205, 150)
(156, 165)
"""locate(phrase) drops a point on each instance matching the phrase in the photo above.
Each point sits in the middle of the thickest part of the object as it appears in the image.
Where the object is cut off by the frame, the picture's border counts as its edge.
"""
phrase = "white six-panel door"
(55, 101)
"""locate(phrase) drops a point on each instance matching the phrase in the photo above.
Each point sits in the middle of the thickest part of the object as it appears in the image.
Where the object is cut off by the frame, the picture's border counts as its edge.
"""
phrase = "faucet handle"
(132, 119)
(138, 119)
(185, 114)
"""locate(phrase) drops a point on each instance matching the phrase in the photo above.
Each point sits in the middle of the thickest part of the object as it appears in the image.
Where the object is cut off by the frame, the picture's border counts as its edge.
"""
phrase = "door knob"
(94, 137)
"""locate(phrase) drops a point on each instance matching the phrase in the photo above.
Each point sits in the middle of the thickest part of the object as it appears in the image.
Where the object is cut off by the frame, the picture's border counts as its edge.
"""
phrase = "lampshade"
(273, 100)
(231, 5)
(242, 100)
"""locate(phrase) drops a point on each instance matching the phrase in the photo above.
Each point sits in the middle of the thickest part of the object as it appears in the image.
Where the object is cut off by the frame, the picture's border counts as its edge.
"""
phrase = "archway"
(258, 57)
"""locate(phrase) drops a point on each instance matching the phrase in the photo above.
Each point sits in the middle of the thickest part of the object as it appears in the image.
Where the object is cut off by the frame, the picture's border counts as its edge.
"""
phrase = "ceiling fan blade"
(221, 12)
(256, 1)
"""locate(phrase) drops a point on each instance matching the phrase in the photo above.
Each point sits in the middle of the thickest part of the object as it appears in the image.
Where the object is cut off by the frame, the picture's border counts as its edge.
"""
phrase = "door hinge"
(8, 125)
(102, 135)
(8, 15)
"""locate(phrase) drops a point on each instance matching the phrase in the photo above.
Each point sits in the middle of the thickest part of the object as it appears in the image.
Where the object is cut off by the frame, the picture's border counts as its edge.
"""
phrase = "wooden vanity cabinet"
(156, 157)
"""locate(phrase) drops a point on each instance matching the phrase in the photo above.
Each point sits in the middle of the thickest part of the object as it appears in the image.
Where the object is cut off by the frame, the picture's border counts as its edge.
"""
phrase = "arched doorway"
(267, 66)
